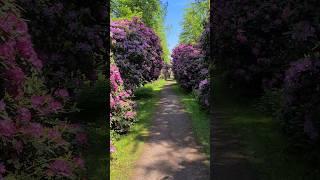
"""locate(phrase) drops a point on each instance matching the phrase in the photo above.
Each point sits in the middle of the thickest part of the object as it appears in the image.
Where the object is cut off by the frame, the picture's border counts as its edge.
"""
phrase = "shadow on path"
(171, 151)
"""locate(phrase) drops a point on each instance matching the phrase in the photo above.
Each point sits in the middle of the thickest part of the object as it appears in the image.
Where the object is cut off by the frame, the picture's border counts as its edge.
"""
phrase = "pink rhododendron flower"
(130, 114)
(55, 105)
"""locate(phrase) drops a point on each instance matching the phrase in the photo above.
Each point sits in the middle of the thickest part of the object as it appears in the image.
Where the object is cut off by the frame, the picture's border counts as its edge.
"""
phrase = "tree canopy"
(194, 20)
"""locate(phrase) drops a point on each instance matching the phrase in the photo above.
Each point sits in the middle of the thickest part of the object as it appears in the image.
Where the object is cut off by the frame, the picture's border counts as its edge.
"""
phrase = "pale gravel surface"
(171, 151)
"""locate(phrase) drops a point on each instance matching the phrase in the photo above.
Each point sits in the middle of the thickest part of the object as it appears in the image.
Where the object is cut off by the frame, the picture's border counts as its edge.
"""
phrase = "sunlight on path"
(171, 151)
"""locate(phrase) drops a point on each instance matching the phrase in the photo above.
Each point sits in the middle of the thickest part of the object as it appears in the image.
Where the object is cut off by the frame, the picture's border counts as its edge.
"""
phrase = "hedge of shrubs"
(256, 41)
(301, 110)
(261, 47)
(69, 38)
(137, 52)
(36, 142)
(122, 114)
(191, 70)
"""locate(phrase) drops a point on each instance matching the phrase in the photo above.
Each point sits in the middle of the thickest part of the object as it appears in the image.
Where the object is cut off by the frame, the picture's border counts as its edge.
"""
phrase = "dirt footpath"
(171, 151)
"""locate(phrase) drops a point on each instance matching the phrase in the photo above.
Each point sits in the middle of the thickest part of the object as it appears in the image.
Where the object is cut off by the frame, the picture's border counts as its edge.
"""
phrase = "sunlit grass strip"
(199, 118)
(129, 146)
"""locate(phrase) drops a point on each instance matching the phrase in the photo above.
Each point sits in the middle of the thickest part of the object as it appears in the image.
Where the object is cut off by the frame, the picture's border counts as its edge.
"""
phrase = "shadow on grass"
(92, 104)
(261, 139)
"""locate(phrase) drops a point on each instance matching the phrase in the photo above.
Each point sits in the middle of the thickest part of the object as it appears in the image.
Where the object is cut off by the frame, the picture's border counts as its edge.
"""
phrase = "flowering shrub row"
(191, 70)
(68, 37)
(256, 41)
(137, 52)
(35, 140)
(121, 107)
(301, 111)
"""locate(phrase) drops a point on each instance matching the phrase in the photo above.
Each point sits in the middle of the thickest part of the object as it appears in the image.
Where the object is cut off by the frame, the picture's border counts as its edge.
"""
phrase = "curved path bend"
(171, 151)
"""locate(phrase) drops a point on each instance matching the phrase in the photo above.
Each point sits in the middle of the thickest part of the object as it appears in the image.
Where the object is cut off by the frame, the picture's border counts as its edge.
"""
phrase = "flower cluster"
(121, 107)
(256, 41)
(302, 100)
(191, 70)
(137, 52)
(34, 136)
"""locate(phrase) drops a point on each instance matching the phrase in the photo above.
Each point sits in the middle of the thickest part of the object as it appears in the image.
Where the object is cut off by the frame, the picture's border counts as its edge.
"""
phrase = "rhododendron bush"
(191, 70)
(68, 36)
(256, 41)
(301, 111)
(121, 107)
(36, 142)
(137, 52)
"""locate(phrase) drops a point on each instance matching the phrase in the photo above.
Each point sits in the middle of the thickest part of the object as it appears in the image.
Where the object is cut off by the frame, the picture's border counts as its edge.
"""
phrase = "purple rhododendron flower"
(24, 115)
(60, 167)
(37, 101)
(33, 129)
(55, 105)
(63, 93)
(7, 128)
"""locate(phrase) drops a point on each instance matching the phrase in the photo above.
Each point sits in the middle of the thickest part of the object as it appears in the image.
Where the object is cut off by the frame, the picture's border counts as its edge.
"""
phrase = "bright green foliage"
(194, 20)
(152, 13)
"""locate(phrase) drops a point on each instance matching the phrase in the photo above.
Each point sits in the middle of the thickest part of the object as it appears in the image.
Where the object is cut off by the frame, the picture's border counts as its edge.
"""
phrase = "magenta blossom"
(7, 128)
(24, 115)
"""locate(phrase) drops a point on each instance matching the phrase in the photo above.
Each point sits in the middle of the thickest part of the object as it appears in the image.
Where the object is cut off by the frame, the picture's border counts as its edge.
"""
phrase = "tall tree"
(194, 20)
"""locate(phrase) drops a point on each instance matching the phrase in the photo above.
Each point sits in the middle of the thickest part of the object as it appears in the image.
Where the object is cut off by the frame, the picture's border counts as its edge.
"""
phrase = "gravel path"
(171, 151)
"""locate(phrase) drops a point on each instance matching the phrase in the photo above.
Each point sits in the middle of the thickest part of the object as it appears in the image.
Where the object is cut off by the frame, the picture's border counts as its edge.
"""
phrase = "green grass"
(91, 102)
(129, 146)
(96, 158)
(199, 118)
(261, 137)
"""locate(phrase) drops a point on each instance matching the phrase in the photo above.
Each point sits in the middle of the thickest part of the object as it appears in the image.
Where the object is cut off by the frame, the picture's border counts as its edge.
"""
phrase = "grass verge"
(261, 138)
(199, 117)
(129, 146)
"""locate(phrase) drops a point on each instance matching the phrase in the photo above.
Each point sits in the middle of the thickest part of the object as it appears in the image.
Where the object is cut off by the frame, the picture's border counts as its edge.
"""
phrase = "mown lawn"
(199, 117)
(129, 146)
(261, 137)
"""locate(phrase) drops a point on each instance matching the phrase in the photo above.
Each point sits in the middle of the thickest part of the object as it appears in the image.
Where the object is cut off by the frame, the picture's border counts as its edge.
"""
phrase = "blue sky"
(174, 19)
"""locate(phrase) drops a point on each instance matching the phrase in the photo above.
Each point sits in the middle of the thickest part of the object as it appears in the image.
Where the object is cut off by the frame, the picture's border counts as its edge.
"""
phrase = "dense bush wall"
(256, 41)
(68, 37)
(301, 112)
(36, 142)
(191, 70)
(137, 52)
(122, 114)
